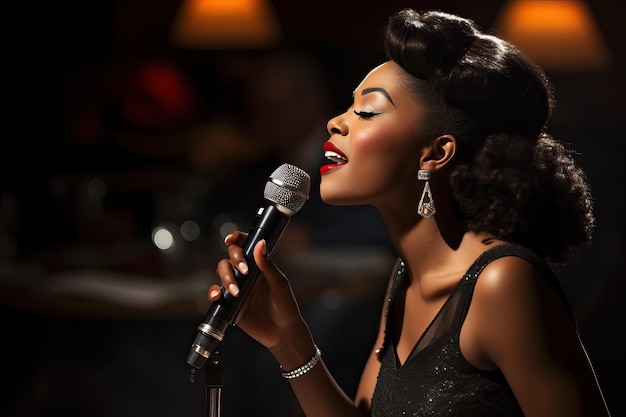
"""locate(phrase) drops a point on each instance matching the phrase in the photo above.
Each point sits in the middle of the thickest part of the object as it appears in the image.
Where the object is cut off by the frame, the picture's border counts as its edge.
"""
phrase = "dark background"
(82, 109)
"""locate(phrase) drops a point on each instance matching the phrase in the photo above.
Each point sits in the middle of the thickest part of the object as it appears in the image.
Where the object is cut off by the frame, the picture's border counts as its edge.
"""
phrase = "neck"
(421, 246)
(431, 247)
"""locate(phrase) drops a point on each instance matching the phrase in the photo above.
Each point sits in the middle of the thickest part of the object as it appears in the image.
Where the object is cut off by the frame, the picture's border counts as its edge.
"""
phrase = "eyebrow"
(379, 90)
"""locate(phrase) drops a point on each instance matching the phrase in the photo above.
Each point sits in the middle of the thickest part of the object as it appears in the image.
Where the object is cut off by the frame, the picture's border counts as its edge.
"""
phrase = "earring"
(426, 209)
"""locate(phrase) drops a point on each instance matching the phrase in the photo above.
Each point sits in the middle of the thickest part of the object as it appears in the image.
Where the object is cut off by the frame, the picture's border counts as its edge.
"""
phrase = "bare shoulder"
(518, 322)
(515, 304)
(509, 276)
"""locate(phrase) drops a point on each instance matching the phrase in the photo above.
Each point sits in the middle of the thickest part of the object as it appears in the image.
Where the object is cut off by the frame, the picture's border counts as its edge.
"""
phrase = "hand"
(270, 311)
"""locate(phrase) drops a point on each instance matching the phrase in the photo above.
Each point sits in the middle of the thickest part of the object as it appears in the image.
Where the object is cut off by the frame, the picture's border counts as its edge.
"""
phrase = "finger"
(235, 253)
(214, 293)
(266, 265)
(225, 272)
(235, 237)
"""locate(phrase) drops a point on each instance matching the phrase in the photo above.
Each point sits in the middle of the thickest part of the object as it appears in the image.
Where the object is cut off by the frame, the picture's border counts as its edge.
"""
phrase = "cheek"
(381, 160)
(387, 149)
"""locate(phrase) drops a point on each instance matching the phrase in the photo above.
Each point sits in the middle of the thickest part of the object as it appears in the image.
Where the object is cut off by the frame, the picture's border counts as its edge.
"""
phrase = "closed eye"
(365, 115)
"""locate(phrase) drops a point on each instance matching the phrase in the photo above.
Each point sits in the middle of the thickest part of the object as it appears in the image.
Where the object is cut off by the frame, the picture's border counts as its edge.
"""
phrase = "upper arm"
(523, 328)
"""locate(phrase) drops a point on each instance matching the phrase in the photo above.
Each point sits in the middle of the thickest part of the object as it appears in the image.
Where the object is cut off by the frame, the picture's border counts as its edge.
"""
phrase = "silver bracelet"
(298, 372)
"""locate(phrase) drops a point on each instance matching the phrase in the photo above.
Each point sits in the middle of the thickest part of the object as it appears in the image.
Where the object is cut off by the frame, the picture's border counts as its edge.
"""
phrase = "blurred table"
(96, 341)
(97, 292)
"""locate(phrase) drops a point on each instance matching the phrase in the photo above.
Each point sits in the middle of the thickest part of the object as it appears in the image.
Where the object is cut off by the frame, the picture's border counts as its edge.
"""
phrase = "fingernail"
(227, 238)
(214, 294)
(264, 249)
(233, 289)
(242, 267)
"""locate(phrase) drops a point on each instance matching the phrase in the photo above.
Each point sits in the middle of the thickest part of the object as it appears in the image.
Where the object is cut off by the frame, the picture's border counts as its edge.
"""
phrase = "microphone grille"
(288, 186)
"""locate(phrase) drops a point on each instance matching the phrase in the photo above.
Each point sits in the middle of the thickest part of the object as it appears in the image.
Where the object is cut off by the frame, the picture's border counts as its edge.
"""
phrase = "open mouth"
(333, 154)
(335, 157)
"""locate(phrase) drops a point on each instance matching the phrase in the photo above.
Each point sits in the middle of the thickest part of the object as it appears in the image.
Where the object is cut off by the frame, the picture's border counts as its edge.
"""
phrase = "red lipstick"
(327, 168)
(330, 147)
(335, 155)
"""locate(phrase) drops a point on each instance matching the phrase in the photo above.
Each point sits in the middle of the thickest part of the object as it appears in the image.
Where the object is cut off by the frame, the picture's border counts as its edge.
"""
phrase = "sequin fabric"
(436, 380)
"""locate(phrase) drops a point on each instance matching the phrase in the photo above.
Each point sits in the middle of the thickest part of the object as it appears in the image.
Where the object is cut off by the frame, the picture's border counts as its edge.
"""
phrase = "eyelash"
(365, 115)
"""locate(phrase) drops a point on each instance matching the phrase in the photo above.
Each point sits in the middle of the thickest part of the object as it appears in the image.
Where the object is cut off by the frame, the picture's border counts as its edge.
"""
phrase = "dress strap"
(399, 271)
(463, 294)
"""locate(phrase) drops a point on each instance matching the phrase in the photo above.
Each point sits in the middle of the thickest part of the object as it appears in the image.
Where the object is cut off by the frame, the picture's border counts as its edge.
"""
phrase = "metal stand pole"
(214, 376)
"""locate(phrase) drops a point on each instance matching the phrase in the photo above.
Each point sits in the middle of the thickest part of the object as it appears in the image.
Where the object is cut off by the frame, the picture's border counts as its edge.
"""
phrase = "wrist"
(294, 349)
(303, 369)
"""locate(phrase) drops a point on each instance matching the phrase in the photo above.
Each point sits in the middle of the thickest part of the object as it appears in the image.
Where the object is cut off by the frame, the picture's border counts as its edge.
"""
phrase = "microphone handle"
(270, 225)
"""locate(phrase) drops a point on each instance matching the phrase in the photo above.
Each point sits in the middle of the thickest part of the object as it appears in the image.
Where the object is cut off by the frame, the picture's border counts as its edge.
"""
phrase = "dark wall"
(81, 106)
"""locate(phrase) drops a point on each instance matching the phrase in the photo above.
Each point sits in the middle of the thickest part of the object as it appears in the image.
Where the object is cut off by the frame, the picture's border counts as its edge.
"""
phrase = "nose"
(337, 125)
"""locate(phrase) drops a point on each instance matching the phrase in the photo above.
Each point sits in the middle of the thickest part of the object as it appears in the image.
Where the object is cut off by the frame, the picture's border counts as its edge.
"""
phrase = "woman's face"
(374, 147)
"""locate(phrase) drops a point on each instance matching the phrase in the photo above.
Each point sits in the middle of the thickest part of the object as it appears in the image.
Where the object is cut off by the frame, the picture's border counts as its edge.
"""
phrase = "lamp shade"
(559, 35)
(225, 24)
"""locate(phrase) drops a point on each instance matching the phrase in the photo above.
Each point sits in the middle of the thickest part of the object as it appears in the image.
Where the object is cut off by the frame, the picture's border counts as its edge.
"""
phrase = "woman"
(447, 140)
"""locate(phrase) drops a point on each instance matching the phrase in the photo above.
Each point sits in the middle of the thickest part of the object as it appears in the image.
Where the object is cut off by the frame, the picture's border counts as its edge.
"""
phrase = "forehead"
(387, 70)
(388, 76)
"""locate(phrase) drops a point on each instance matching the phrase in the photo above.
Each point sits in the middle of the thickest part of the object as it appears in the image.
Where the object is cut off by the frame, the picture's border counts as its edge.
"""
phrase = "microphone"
(286, 191)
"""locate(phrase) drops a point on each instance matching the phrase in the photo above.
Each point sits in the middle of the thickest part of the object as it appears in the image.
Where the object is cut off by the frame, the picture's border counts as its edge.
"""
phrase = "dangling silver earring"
(426, 206)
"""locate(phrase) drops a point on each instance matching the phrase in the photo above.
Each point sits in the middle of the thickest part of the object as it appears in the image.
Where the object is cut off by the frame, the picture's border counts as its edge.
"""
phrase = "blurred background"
(138, 133)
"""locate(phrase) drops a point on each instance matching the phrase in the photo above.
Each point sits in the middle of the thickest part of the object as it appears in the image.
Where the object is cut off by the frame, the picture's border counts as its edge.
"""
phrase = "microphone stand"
(214, 381)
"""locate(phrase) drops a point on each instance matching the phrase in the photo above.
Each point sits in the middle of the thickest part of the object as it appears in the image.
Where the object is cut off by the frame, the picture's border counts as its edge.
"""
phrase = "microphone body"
(283, 197)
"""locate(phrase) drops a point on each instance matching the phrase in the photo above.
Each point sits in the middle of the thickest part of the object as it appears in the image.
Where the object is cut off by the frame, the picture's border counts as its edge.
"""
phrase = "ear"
(438, 153)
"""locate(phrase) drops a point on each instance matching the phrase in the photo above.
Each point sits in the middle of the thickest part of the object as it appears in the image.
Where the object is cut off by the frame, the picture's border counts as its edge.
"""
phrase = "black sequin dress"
(436, 380)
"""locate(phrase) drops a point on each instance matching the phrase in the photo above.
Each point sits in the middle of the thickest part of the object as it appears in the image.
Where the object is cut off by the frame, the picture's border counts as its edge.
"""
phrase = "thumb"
(266, 265)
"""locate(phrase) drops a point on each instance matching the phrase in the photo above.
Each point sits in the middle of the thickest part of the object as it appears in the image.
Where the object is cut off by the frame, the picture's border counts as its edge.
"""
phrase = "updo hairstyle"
(510, 177)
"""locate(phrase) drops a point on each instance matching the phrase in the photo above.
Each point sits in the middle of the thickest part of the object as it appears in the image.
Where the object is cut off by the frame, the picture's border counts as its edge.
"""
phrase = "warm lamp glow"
(559, 35)
(225, 24)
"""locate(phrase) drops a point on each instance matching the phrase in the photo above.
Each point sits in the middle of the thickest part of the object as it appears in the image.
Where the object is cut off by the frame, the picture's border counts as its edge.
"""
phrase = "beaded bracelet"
(298, 372)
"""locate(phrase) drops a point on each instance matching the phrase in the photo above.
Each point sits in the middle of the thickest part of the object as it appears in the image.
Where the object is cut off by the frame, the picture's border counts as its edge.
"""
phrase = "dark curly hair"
(511, 178)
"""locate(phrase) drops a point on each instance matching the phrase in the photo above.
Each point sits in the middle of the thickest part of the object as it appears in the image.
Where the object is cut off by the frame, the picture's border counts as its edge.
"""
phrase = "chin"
(330, 198)
(333, 194)
(337, 199)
